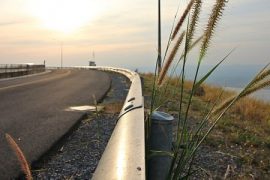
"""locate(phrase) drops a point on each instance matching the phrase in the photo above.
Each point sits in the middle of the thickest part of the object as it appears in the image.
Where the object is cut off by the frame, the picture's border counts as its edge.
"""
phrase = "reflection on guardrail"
(14, 70)
(124, 156)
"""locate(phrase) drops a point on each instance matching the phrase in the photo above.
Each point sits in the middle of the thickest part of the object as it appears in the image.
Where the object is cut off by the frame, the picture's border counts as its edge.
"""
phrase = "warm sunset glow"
(65, 16)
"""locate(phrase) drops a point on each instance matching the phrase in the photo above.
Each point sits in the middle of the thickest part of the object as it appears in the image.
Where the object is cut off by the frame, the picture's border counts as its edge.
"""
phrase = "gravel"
(212, 163)
(76, 156)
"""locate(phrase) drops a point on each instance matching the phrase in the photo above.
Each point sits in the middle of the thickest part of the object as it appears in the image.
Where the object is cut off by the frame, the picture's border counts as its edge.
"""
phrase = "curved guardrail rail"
(124, 156)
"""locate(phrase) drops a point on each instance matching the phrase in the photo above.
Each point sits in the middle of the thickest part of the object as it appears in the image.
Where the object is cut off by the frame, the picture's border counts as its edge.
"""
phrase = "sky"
(123, 33)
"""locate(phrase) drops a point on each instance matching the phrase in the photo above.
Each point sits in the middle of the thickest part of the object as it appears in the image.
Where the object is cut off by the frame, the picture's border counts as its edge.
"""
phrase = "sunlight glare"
(66, 15)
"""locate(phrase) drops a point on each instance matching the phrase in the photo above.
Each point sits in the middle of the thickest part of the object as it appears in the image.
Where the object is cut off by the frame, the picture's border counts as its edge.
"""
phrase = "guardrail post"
(160, 141)
(6, 69)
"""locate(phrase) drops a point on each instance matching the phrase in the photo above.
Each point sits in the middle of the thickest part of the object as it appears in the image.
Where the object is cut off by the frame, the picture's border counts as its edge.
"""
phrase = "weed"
(20, 156)
(113, 107)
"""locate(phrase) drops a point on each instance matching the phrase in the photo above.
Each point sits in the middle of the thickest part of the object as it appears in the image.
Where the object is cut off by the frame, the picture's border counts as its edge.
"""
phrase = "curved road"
(34, 111)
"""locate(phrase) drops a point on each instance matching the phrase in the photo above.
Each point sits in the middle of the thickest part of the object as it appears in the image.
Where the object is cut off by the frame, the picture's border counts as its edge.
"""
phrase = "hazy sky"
(123, 32)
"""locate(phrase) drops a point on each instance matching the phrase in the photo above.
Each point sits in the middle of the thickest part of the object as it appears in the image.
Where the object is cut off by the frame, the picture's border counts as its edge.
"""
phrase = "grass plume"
(182, 19)
(195, 43)
(20, 156)
(264, 74)
(170, 58)
(194, 19)
(217, 12)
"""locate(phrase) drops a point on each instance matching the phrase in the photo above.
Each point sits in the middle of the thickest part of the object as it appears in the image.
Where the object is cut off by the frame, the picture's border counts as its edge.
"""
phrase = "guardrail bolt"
(161, 137)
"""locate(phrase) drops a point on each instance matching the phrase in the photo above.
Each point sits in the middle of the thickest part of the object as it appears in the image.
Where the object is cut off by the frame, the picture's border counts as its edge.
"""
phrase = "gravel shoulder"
(77, 155)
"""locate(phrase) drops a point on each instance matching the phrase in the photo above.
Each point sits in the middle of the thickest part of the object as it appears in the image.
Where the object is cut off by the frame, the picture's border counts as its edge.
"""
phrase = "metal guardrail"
(124, 156)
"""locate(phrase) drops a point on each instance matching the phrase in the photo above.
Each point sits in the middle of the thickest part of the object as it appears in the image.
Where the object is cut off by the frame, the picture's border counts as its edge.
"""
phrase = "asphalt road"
(33, 111)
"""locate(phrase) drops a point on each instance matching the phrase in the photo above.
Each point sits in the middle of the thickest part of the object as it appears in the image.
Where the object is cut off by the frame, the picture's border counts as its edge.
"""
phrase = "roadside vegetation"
(243, 132)
(206, 115)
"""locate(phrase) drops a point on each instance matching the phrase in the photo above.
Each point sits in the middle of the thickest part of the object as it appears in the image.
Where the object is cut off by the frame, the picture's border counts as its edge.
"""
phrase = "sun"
(66, 15)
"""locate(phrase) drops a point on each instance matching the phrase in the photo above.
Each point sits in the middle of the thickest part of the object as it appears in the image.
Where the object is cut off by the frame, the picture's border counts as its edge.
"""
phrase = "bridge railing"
(13, 70)
(124, 156)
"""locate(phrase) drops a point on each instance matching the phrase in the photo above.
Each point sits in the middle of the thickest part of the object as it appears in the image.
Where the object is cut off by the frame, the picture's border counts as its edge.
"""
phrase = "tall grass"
(189, 140)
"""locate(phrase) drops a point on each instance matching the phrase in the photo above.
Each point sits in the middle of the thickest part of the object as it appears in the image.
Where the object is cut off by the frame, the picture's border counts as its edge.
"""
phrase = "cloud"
(128, 30)
(9, 23)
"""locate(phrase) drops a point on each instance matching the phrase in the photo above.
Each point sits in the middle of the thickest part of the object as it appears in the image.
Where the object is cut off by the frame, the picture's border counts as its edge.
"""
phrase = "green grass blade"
(212, 70)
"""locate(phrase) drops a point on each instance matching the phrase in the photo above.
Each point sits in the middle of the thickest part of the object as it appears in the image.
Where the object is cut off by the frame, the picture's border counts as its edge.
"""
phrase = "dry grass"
(113, 108)
(252, 110)
(243, 132)
(20, 156)
(248, 109)
(213, 92)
